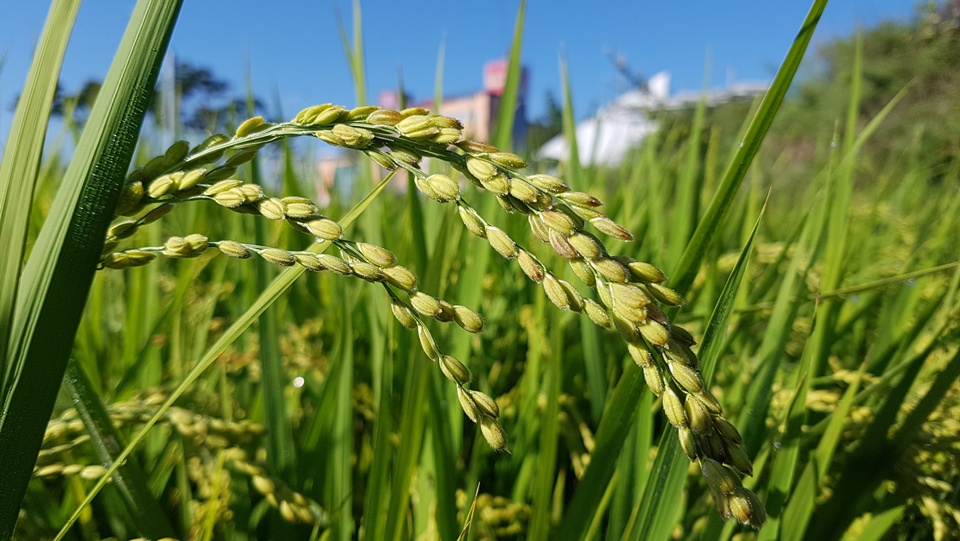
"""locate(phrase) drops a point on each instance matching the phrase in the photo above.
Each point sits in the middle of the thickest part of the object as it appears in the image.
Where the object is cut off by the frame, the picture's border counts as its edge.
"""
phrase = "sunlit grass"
(257, 403)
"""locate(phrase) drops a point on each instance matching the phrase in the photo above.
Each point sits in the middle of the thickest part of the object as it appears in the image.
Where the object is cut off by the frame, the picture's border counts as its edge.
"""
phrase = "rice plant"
(796, 372)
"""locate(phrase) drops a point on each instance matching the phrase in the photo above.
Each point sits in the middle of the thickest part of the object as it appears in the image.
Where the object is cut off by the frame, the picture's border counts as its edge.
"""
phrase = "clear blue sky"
(295, 53)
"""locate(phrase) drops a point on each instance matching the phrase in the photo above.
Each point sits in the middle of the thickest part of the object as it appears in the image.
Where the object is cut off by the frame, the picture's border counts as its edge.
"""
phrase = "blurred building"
(477, 111)
(624, 123)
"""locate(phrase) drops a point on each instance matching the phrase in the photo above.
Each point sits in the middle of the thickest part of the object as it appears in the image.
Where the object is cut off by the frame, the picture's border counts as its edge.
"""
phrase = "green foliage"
(286, 404)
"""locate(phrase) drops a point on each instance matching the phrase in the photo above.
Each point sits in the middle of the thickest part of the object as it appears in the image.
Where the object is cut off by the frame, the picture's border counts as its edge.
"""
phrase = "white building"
(624, 123)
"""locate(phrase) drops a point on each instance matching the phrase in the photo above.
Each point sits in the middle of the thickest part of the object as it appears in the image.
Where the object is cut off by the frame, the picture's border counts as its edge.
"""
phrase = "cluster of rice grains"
(629, 292)
(203, 437)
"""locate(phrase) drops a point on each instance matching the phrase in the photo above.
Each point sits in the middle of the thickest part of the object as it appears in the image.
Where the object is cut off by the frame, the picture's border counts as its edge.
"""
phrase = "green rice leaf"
(503, 129)
(713, 221)
(21, 159)
(59, 272)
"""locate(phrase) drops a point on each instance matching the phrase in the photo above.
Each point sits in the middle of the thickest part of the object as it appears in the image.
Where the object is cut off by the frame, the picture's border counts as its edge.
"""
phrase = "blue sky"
(295, 53)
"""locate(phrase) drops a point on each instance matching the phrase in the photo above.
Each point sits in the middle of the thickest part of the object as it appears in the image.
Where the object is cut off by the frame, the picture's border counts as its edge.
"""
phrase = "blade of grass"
(503, 129)
(569, 121)
(711, 224)
(281, 449)
(21, 159)
(58, 275)
(551, 387)
(129, 479)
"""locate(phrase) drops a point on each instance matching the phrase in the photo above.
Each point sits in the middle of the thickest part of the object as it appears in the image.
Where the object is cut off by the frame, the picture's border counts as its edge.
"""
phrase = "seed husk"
(219, 173)
(727, 430)
(299, 207)
(175, 153)
(718, 477)
(446, 311)
(548, 183)
(222, 186)
(325, 229)
(609, 227)
(506, 159)
(530, 266)
(469, 320)
(454, 370)
(654, 332)
(278, 257)
(230, 199)
(523, 191)
(476, 147)
(493, 433)
(747, 508)
(558, 221)
(164, 185)
(651, 375)
(481, 169)
(130, 197)
(309, 261)
(445, 188)
(645, 272)
(472, 221)
(688, 442)
(555, 292)
(699, 417)
(486, 404)
(586, 245)
(424, 304)
(640, 354)
(581, 199)
(673, 407)
(687, 377)
(377, 255)
(583, 271)
(400, 277)
(467, 404)
(403, 315)
(562, 246)
(498, 184)
(249, 126)
(538, 228)
(664, 294)
(233, 249)
(597, 314)
(501, 242)
(384, 117)
(427, 342)
(335, 264)
(611, 270)
(366, 271)
(272, 209)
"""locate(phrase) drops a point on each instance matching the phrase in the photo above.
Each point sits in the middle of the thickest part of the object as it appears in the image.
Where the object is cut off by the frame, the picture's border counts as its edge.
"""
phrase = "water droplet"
(298, 382)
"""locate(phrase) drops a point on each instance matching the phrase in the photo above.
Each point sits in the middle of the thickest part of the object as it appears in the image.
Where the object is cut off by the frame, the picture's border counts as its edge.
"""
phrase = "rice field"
(465, 345)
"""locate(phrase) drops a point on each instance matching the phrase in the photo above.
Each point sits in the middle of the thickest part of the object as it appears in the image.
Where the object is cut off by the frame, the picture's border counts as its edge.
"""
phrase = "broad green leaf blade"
(714, 219)
(58, 274)
(21, 160)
